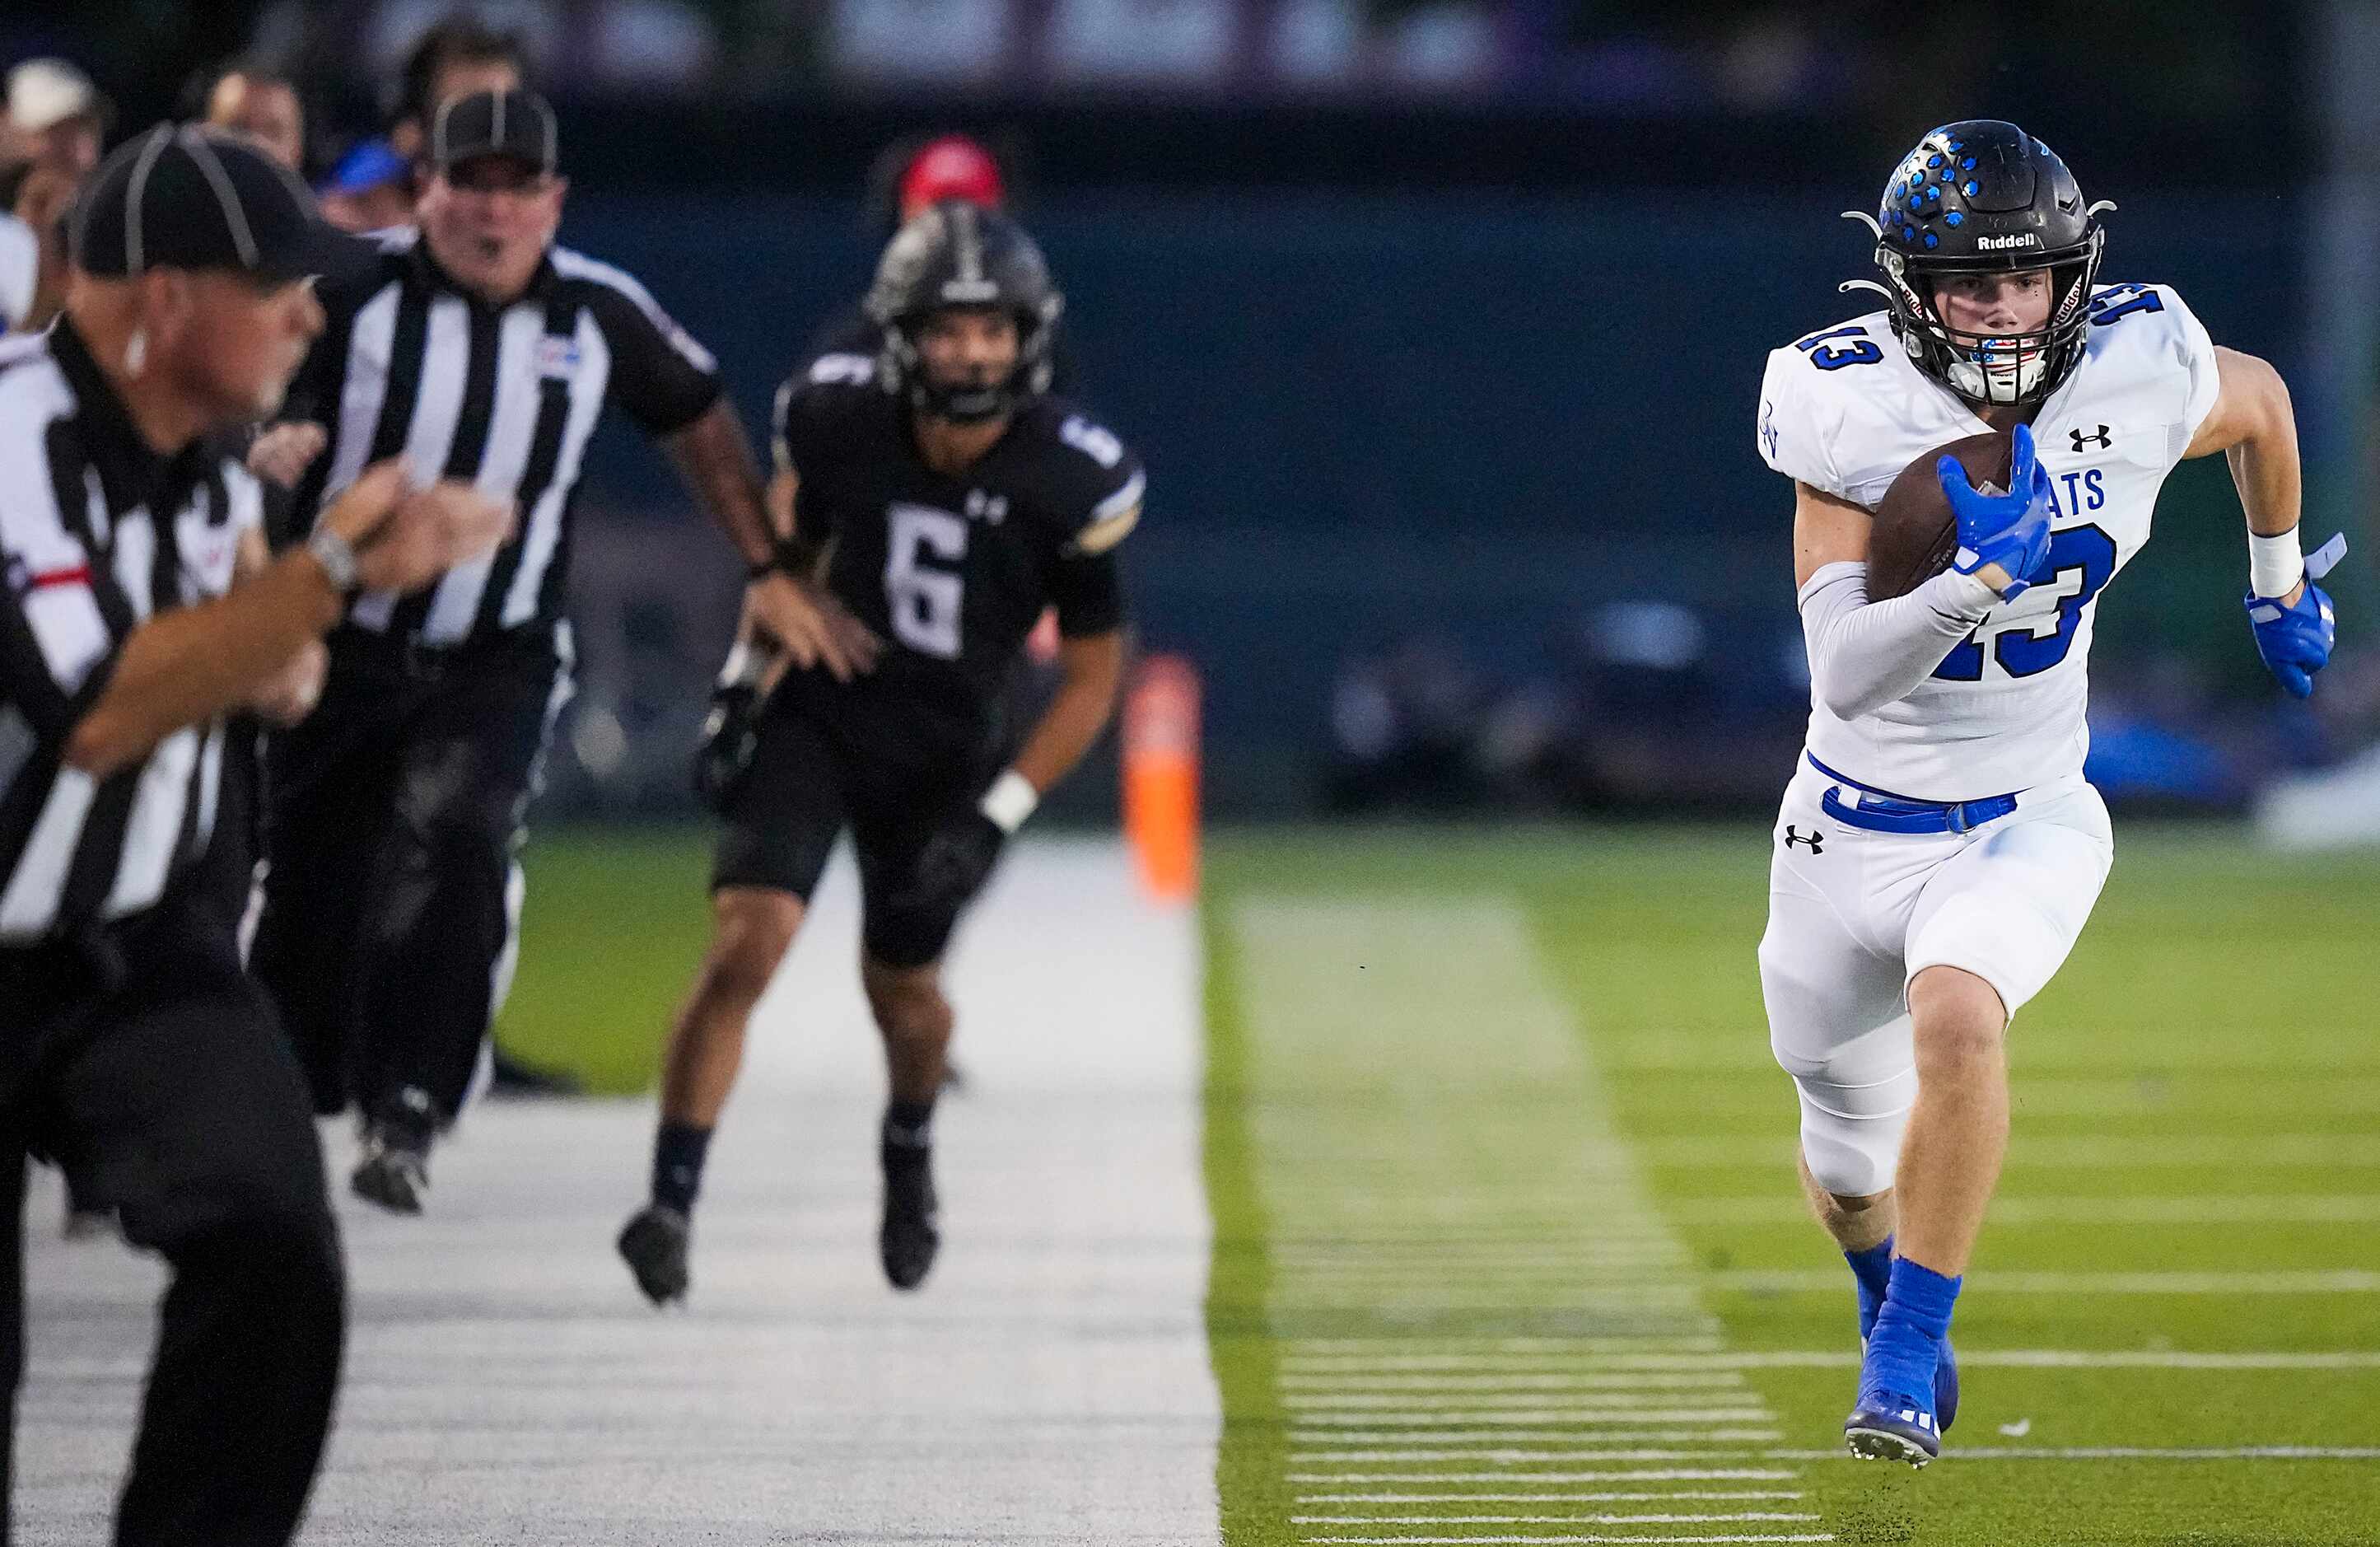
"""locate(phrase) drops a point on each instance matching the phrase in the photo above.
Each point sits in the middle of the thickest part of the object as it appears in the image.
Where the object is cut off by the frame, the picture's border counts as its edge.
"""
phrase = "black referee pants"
(392, 813)
(152, 1074)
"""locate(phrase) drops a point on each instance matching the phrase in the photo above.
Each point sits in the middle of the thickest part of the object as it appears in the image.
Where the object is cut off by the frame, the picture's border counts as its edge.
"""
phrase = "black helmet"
(1981, 196)
(957, 254)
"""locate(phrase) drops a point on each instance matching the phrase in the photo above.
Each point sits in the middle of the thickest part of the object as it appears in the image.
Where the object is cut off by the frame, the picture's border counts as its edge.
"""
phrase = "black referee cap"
(191, 198)
(515, 125)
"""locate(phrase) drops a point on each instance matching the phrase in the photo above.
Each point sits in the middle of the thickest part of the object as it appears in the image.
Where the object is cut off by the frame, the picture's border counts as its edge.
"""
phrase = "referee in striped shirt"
(482, 352)
(133, 1052)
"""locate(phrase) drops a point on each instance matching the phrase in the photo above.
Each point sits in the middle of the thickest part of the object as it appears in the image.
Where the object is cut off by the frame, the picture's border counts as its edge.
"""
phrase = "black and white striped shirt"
(502, 397)
(97, 533)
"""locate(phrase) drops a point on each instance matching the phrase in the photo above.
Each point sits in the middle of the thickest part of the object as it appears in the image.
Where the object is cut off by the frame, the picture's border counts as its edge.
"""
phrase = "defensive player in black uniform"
(947, 498)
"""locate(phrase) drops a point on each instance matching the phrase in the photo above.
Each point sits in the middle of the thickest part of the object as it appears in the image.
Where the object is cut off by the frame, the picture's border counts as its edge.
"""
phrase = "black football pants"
(163, 1088)
(392, 814)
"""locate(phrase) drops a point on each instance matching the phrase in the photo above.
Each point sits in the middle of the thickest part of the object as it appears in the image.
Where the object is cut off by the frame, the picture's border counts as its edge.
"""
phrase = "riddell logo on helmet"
(2023, 238)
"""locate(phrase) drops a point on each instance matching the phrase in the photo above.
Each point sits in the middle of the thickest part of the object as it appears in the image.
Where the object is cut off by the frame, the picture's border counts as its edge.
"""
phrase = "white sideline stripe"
(2118, 1452)
(2313, 1281)
(1700, 1495)
(1655, 1474)
(1744, 1517)
(2095, 1151)
(2256, 1207)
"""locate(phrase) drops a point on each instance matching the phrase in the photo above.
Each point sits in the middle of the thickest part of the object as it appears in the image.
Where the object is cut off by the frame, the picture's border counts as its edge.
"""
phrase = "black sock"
(908, 1125)
(678, 1152)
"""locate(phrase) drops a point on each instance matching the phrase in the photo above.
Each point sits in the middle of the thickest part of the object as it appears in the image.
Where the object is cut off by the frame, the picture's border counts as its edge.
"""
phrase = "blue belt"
(1882, 811)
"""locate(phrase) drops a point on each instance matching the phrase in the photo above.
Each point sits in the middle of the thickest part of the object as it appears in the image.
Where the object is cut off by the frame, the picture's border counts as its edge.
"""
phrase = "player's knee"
(1957, 1015)
(1850, 1134)
(752, 927)
(908, 1002)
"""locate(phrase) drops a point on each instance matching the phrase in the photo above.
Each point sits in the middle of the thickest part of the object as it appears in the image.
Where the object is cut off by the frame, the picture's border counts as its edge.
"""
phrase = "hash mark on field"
(1463, 1201)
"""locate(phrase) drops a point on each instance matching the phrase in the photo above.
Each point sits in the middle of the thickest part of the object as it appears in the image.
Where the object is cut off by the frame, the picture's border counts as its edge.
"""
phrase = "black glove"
(730, 734)
(955, 860)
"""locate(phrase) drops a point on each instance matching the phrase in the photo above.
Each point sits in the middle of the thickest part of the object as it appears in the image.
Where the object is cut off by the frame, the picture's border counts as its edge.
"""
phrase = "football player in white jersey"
(1938, 849)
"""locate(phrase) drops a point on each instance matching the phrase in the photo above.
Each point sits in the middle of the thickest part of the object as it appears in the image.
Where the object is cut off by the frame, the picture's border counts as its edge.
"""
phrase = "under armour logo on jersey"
(2102, 440)
(1816, 839)
(981, 506)
(1768, 426)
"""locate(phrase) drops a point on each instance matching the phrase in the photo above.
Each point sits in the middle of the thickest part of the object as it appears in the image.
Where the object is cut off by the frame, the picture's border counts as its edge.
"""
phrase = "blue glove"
(2010, 529)
(2295, 641)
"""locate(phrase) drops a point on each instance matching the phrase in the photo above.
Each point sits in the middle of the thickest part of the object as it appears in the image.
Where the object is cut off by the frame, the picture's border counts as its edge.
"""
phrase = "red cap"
(951, 167)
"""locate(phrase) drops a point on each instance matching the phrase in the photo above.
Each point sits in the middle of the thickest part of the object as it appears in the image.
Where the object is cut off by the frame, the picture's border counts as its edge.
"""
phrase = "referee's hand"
(814, 628)
(406, 539)
(282, 452)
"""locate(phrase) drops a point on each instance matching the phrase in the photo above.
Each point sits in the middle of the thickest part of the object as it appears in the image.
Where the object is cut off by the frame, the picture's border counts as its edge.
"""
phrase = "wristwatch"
(337, 558)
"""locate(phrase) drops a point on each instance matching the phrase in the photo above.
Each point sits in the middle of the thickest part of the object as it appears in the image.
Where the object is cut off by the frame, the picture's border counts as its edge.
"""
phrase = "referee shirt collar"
(431, 274)
(131, 472)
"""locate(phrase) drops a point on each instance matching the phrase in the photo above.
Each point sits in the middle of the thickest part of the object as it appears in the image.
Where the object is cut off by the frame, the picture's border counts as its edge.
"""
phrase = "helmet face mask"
(958, 256)
(1983, 197)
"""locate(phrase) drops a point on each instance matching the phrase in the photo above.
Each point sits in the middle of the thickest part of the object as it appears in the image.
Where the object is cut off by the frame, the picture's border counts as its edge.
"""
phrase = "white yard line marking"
(2017, 1208)
(1453, 1540)
(1507, 1417)
(1645, 1474)
(2118, 1452)
(1694, 1369)
(1548, 1444)
(1740, 1517)
(1541, 1398)
(2100, 1152)
(1295, 1382)
(1699, 1495)
(1503, 1345)
(2257, 1283)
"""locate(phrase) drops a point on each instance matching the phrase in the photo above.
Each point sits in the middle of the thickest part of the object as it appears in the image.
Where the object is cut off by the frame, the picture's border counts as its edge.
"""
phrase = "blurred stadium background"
(1440, 324)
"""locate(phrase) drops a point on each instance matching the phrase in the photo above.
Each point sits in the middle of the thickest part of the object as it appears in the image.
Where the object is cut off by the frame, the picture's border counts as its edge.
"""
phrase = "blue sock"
(1873, 1269)
(1907, 1342)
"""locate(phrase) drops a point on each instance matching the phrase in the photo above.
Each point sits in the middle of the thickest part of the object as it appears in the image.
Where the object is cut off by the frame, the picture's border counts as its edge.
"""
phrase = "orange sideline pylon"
(1161, 776)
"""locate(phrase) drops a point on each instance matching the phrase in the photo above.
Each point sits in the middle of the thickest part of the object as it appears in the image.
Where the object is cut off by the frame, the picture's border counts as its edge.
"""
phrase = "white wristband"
(1009, 801)
(2275, 563)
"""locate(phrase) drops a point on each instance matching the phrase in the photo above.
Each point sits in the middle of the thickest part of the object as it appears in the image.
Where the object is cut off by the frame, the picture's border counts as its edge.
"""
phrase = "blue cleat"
(1889, 1426)
(1946, 1387)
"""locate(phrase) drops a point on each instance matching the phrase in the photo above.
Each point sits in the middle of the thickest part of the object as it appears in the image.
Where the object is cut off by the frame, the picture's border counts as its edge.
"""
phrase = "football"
(1914, 535)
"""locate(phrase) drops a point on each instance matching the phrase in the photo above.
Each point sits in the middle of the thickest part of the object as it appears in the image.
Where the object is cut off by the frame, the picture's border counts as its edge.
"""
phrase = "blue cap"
(371, 164)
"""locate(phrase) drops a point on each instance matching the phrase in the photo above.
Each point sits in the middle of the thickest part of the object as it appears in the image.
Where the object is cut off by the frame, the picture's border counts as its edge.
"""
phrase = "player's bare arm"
(715, 459)
(1089, 670)
(2255, 427)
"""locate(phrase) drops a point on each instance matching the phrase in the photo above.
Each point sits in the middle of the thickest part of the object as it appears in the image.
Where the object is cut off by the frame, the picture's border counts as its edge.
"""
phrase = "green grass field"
(2197, 1095)
(1500, 1172)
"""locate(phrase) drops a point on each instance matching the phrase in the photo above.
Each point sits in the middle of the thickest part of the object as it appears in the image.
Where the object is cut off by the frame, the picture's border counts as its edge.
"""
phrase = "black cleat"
(654, 1244)
(394, 1172)
(908, 1241)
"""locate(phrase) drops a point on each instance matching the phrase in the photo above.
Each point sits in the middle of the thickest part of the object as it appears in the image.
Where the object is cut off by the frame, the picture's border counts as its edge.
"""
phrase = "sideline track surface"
(507, 1385)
